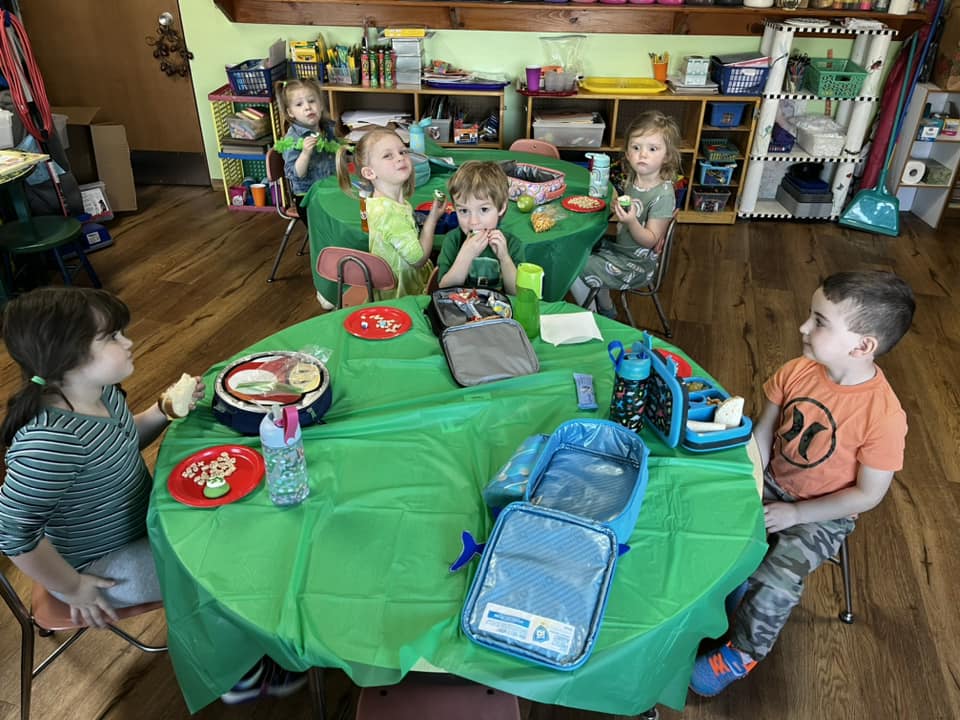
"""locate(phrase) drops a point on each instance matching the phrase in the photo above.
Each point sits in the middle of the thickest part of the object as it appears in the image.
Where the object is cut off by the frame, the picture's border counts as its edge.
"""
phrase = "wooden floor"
(194, 277)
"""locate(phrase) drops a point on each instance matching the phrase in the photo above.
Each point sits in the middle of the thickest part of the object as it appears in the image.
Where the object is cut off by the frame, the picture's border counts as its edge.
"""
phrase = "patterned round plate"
(583, 203)
(247, 474)
(378, 323)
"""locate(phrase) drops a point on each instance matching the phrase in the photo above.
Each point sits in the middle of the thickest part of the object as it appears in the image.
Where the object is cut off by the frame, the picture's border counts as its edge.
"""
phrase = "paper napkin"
(569, 328)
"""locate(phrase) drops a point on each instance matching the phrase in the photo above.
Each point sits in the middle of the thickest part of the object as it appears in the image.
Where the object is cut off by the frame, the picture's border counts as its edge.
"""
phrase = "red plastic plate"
(425, 207)
(378, 323)
(248, 474)
(683, 367)
(583, 203)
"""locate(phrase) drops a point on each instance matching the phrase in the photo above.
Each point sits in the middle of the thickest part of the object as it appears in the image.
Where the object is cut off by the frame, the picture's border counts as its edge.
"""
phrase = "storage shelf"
(772, 210)
(814, 96)
(801, 155)
(540, 17)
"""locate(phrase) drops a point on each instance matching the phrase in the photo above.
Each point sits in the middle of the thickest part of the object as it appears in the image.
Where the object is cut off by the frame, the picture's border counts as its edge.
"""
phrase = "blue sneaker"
(713, 672)
(281, 682)
(734, 599)
(249, 687)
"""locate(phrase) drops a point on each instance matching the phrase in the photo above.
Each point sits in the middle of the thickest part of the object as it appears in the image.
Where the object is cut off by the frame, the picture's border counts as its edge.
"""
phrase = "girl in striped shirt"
(74, 500)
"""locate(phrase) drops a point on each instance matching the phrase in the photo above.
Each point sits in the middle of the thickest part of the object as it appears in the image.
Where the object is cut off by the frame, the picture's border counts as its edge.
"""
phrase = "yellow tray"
(623, 85)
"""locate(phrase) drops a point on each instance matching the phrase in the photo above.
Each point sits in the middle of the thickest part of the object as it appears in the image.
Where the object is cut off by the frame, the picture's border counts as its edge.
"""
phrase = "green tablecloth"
(356, 577)
(561, 252)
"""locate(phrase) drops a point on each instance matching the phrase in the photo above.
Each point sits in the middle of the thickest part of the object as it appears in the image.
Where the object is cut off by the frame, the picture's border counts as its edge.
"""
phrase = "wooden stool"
(436, 699)
(46, 233)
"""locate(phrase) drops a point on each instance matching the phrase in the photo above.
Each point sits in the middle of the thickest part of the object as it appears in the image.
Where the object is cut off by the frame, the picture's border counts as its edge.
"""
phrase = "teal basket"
(834, 78)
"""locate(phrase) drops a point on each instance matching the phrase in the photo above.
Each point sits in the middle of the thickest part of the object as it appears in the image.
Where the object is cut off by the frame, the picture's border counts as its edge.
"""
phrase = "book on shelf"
(239, 146)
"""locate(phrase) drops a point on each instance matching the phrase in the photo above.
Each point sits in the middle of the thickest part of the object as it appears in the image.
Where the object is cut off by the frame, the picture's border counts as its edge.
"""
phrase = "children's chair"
(843, 560)
(537, 147)
(653, 289)
(49, 615)
(288, 211)
(437, 697)
(433, 283)
(357, 268)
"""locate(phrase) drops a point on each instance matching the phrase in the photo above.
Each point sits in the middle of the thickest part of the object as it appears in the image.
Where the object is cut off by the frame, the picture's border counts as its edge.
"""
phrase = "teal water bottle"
(282, 445)
(629, 387)
(599, 174)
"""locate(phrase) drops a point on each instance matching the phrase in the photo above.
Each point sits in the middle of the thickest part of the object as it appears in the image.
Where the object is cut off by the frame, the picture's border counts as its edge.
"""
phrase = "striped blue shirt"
(76, 479)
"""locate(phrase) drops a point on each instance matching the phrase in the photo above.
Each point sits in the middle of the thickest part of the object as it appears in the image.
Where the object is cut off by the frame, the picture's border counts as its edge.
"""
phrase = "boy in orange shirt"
(833, 434)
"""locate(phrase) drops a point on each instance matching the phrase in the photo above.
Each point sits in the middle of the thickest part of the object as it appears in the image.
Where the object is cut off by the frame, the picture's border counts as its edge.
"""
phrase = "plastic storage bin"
(710, 200)
(439, 130)
(828, 77)
(718, 149)
(820, 136)
(781, 141)
(307, 70)
(734, 80)
(726, 114)
(249, 78)
(716, 174)
(569, 134)
(804, 205)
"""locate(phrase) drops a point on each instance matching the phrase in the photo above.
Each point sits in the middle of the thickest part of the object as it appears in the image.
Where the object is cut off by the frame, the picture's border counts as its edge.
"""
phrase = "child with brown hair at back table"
(480, 255)
(652, 159)
(831, 437)
(383, 161)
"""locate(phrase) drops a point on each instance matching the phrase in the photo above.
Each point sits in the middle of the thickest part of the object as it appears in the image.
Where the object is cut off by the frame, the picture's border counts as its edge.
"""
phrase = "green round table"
(357, 576)
(562, 251)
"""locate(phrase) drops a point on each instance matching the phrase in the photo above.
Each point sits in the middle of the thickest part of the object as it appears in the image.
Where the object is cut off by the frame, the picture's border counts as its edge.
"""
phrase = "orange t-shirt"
(827, 430)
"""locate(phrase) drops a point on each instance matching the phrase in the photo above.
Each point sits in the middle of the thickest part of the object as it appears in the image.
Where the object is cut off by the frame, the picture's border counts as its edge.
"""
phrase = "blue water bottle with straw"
(629, 386)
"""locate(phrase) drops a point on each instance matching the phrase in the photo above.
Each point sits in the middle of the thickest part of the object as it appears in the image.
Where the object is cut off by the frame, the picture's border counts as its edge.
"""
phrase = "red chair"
(278, 191)
(537, 147)
(356, 268)
(47, 616)
(436, 698)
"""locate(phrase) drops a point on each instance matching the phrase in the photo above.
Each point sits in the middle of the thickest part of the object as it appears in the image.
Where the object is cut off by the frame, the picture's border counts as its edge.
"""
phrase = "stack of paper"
(677, 87)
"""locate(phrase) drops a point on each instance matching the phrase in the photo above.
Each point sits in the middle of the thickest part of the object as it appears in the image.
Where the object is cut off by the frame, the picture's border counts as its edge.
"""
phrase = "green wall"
(216, 42)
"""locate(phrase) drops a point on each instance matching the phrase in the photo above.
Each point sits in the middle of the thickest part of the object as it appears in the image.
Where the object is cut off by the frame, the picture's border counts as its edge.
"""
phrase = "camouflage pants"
(775, 587)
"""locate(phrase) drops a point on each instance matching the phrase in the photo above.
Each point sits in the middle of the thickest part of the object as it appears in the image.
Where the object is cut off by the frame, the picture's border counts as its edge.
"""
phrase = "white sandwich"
(175, 400)
(730, 412)
(698, 426)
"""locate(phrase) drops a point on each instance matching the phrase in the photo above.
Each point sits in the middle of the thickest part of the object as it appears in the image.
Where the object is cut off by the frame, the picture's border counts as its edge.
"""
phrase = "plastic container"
(718, 149)
(734, 80)
(599, 175)
(282, 447)
(710, 200)
(801, 209)
(250, 78)
(828, 77)
(308, 70)
(820, 136)
(716, 174)
(569, 134)
(726, 114)
(629, 387)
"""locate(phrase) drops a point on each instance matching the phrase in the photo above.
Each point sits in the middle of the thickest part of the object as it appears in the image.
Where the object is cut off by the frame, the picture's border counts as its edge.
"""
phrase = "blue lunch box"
(671, 401)
(545, 572)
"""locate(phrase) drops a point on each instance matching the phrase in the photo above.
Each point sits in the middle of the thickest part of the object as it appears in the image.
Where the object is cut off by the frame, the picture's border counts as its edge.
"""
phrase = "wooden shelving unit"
(538, 16)
(414, 100)
(691, 113)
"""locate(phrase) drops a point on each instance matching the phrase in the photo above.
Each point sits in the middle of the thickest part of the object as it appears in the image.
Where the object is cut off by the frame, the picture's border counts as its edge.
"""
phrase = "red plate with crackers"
(378, 323)
(583, 203)
(683, 367)
(240, 466)
(425, 207)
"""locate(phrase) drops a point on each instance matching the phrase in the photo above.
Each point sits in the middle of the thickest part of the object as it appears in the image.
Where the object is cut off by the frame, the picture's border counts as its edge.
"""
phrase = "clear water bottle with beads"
(282, 444)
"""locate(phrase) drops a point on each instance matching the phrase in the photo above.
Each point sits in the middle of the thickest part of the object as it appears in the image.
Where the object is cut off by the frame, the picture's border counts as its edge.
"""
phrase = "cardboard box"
(99, 151)
(946, 69)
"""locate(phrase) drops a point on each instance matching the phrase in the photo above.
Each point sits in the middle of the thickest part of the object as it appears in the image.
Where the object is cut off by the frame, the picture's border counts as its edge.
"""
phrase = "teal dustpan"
(876, 210)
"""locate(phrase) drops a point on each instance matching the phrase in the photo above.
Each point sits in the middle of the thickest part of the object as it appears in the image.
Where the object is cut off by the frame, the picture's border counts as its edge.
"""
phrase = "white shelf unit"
(926, 201)
(869, 51)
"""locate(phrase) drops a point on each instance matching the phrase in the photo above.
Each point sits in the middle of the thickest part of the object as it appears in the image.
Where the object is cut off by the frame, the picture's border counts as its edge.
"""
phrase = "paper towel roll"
(913, 172)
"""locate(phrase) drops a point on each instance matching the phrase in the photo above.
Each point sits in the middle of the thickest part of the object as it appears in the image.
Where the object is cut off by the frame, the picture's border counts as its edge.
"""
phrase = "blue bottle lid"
(632, 367)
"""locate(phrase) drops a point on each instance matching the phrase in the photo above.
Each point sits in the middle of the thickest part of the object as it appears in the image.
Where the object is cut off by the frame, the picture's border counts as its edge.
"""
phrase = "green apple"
(525, 203)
